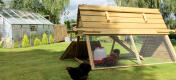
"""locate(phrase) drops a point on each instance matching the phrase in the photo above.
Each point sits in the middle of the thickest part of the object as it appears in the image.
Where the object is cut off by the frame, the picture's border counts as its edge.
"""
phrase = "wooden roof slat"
(116, 14)
(118, 9)
(123, 25)
(120, 20)
(124, 31)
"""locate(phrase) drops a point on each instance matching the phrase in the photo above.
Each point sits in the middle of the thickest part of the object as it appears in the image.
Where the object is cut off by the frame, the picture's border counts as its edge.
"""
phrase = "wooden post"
(78, 60)
(78, 38)
(112, 46)
(136, 52)
(170, 47)
(126, 46)
(90, 52)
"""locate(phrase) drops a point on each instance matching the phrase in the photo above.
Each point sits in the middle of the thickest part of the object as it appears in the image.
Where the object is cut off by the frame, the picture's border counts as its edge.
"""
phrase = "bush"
(172, 35)
(51, 39)
(44, 39)
(25, 42)
(37, 41)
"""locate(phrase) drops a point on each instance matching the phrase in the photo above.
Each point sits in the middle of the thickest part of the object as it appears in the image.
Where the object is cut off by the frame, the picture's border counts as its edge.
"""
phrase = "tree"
(51, 39)
(166, 7)
(70, 23)
(37, 41)
(1, 3)
(25, 42)
(44, 39)
(53, 8)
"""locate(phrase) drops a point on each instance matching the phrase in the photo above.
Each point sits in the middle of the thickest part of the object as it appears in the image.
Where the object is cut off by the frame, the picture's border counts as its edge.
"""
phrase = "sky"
(71, 10)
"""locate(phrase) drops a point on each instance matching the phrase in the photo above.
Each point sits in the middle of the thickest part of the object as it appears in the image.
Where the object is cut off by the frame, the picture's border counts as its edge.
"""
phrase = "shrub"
(44, 39)
(25, 42)
(51, 39)
(37, 41)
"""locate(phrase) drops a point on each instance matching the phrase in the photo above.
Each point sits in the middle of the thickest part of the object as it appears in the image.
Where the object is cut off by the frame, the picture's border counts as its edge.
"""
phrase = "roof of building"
(22, 17)
(119, 20)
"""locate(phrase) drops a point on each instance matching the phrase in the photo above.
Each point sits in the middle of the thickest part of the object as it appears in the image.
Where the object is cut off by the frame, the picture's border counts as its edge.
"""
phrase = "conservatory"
(15, 23)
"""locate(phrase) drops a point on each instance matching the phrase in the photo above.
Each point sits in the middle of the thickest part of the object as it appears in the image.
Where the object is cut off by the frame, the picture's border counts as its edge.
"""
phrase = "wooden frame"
(170, 47)
(135, 52)
(90, 52)
(111, 21)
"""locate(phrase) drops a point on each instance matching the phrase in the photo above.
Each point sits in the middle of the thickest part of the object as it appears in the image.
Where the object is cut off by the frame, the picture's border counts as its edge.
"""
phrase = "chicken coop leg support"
(90, 52)
(112, 46)
(125, 45)
(170, 47)
(136, 52)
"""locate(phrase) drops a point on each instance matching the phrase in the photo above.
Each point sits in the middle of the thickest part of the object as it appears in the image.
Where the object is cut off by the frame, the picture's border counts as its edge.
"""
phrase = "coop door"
(111, 51)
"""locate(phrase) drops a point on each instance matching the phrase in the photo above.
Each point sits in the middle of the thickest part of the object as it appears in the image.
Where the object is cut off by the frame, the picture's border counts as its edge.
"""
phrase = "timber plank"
(118, 9)
(116, 14)
(122, 25)
(120, 20)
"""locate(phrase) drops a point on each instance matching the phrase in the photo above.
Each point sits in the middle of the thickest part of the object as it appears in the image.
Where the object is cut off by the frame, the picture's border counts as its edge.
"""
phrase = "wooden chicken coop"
(140, 34)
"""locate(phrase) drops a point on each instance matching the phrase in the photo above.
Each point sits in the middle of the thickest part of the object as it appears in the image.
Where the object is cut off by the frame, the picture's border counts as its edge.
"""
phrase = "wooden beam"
(123, 30)
(112, 46)
(125, 46)
(132, 66)
(170, 47)
(122, 15)
(136, 52)
(118, 9)
(99, 25)
(90, 52)
(78, 60)
(121, 19)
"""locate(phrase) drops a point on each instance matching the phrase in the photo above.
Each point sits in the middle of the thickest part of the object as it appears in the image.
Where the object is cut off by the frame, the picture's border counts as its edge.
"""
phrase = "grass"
(43, 63)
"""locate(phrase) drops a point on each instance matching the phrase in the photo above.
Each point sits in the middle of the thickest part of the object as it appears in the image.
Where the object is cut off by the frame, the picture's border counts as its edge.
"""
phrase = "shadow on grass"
(42, 64)
(34, 64)
(132, 73)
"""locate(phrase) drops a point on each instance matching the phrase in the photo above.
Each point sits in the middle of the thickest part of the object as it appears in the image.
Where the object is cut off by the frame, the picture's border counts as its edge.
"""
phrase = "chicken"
(112, 60)
(79, 73)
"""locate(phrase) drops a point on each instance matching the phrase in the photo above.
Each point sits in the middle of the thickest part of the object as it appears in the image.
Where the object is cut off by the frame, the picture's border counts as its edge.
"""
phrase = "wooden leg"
(78, 60)
(170, 47)
(90, 52)
(112, 46)
(136, 52)
(78, 38)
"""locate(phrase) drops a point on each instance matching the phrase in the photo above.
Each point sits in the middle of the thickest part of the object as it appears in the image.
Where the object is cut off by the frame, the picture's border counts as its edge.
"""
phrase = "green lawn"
(42, 63)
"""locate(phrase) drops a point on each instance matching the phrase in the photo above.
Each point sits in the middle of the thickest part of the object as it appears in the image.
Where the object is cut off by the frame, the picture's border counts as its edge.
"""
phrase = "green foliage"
(53, 8)
(17, 45)
(73, 35)
(37, 41)
(1, 3)
(172, 35)
(44, 39)
(25, 42)
(166, 8)
(51, 39)
(1, 45)
(70, 23)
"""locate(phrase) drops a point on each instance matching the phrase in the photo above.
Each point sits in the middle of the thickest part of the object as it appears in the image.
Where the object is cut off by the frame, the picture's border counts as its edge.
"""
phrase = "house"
(15, 23)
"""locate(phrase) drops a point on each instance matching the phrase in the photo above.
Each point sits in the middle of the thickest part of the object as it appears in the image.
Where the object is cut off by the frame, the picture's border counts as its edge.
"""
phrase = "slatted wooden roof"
(119, 20)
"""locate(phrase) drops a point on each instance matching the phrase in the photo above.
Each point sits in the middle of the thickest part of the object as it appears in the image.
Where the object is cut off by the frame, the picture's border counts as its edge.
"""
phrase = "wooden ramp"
(75, 49)
(78, 50)
(156, 46)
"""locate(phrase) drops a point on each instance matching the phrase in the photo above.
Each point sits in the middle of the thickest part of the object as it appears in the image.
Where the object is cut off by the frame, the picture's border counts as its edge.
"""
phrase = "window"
(33, 28)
